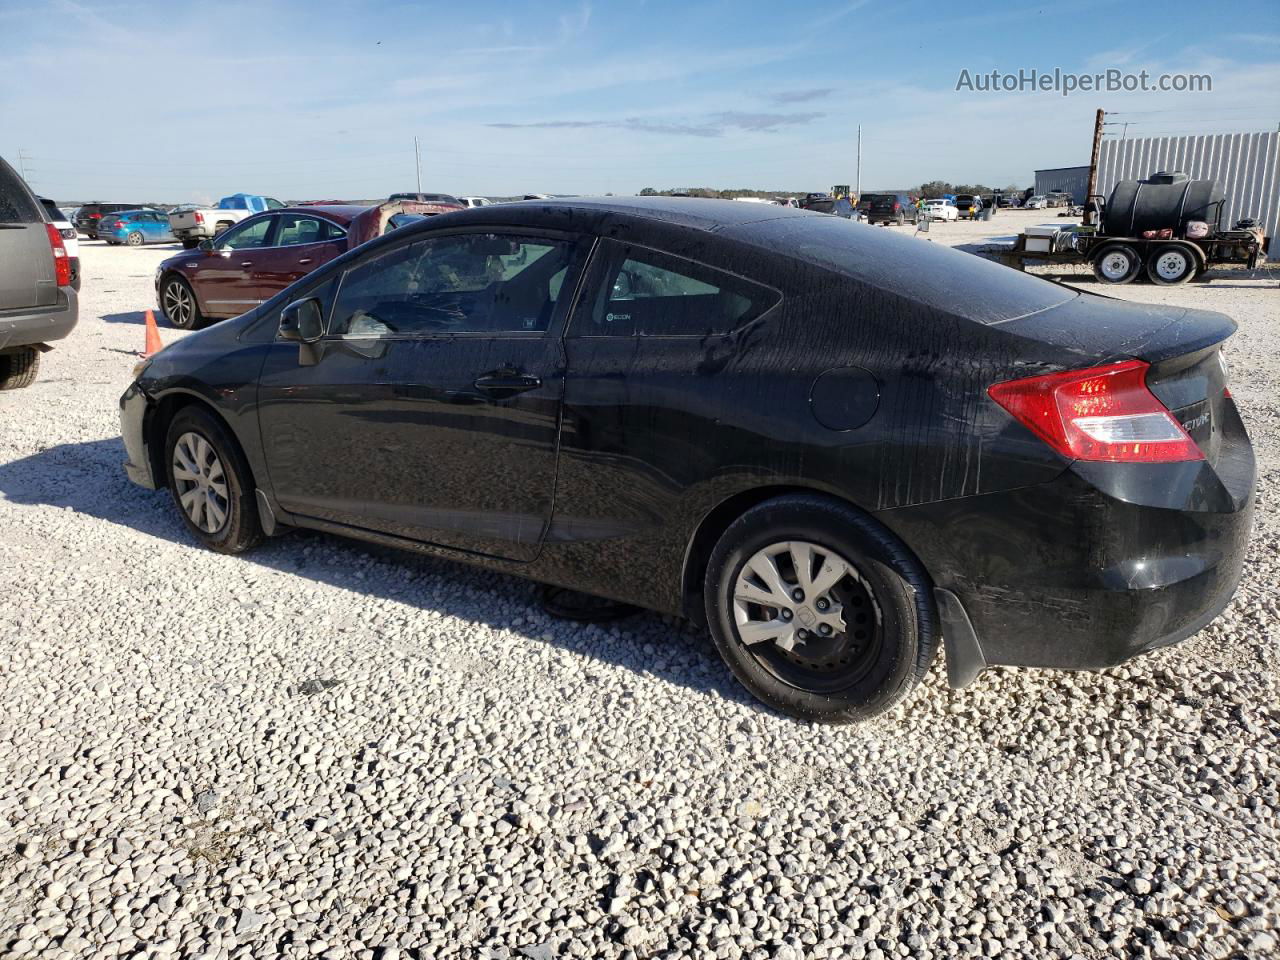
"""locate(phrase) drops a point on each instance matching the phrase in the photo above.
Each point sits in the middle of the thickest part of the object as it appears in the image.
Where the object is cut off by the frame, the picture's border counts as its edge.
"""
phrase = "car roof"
(690, 212)
(342, 213)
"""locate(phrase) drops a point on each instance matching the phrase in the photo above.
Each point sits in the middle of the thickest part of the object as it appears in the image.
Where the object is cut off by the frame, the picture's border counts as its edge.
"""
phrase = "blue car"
(135, 227)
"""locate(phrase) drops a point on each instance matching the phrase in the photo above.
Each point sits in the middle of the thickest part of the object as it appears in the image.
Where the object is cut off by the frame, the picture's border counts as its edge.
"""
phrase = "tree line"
(930, 190)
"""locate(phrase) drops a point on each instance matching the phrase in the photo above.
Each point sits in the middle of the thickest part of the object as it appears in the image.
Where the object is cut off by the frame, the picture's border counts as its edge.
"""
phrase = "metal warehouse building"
(1245, 165)
(1072, 180)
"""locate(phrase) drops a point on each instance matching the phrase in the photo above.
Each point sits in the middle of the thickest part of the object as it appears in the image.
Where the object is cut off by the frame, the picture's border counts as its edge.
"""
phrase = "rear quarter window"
(647, 293)
(16, 205)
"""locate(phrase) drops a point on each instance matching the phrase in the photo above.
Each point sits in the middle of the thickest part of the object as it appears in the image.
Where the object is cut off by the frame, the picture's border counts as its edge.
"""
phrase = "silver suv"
(37, 300)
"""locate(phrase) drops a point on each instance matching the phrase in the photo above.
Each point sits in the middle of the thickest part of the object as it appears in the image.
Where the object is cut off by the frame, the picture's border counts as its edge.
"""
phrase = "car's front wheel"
(178, 301)
(819, 611)
(211, 482)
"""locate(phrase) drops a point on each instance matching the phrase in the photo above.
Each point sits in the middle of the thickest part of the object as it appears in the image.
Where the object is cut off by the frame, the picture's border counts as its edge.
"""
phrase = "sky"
(318, 99)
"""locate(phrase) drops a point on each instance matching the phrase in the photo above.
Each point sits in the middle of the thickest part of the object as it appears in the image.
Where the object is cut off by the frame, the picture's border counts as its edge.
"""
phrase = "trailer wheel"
(1116, 263)
(1171, 264)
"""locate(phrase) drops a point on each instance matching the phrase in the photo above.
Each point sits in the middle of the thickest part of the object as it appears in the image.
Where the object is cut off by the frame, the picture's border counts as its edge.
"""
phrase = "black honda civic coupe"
(836, 446)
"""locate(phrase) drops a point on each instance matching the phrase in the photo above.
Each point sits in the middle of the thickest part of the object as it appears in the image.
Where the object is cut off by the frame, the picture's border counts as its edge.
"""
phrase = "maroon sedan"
(260, 256)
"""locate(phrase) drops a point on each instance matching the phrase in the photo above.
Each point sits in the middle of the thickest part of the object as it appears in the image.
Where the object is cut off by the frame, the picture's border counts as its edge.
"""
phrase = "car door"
(152, 229)
(430, 408)
(301, 243)
(224, 277)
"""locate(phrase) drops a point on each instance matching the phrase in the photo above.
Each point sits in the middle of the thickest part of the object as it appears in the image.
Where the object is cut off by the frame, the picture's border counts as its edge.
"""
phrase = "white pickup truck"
(191, 225)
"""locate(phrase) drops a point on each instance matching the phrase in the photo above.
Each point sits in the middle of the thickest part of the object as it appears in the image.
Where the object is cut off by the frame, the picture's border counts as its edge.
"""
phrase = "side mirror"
(206, 246)
(302, 321)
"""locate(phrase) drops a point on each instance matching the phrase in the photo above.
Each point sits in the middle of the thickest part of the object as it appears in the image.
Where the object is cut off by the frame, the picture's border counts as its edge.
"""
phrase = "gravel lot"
(321, 749)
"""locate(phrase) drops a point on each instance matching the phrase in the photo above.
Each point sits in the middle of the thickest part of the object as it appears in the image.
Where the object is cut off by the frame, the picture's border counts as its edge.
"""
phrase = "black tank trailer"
(1167, 227)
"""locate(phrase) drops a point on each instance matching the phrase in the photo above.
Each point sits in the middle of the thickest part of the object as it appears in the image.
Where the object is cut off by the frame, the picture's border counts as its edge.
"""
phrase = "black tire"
(189, 244)
(1116, 263)
(135, 238)
(860, 671)
(179, 305)
(239, 528)
(1172, 264)
(19, 369)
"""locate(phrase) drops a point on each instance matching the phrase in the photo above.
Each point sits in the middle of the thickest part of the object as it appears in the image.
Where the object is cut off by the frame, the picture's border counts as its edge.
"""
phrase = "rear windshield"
(932, 274)
(878, 198)
(16, 205)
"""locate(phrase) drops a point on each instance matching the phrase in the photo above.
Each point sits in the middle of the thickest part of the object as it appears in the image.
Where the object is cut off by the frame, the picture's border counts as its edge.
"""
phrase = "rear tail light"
(117, 225)
(896, 205)
(199, 217)
(95, 216)
(61, 262)
(1102, 413)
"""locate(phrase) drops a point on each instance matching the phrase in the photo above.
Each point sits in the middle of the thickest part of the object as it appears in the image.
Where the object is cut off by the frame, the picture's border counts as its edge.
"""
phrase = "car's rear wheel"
(178, 302)
(19, 369)
(211, 483)
(1171, 264)
(1116, 263)
(190, 244)
(134, 239)
(819, 611)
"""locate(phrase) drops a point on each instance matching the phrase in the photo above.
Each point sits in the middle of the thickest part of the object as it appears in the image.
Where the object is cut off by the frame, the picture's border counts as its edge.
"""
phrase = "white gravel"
(325, 750)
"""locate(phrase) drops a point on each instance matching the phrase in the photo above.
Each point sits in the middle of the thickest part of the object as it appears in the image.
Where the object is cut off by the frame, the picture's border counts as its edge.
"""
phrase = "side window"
(274, 204)
(650, 294)
(467, 283)
(245, 236)
(298, 228)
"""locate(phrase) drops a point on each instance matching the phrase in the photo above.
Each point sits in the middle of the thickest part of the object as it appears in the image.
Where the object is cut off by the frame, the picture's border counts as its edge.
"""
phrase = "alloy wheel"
(178, 304)
(806, 614)
(201, 482)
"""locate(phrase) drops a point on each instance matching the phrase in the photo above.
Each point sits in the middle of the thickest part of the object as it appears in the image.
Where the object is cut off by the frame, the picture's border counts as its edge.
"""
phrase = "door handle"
(506, 382)
(246, 263)
(305, 260)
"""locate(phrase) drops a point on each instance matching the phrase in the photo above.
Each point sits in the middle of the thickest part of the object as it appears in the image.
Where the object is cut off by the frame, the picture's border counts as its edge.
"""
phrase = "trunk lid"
(1183, 347)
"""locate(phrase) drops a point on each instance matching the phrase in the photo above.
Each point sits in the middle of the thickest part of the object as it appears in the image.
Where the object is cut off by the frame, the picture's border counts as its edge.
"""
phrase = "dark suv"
(87, 217)
(37, 300)
(888, 208)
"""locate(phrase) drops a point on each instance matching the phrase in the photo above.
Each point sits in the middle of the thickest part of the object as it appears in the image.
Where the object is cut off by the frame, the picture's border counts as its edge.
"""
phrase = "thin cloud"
(765, 122)
(800, 96)
(839, 13)
(713, 126)
(575, 24)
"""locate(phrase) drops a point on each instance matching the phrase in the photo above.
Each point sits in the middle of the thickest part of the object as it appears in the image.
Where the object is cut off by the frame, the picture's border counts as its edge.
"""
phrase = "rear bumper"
(40, 324)
(1104, 563)
(133, 419)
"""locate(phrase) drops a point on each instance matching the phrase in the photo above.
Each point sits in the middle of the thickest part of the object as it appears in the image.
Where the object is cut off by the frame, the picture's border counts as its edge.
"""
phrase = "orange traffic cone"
(154, 345)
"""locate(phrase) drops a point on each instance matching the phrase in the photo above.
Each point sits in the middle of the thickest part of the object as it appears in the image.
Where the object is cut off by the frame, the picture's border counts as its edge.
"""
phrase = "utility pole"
(858, 173)
(417, 156)
(1093, 167)
(22, 163)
